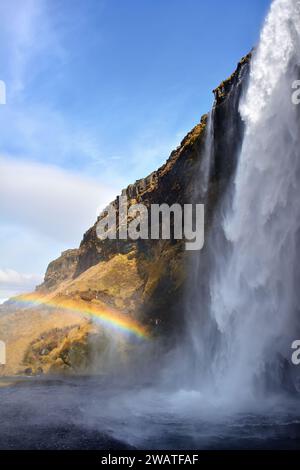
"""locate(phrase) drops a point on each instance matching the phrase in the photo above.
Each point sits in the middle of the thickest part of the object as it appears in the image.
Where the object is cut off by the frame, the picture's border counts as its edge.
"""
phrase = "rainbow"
(107, 317)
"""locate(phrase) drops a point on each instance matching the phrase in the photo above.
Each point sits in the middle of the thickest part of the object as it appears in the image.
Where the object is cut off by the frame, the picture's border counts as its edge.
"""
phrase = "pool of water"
(93, 413)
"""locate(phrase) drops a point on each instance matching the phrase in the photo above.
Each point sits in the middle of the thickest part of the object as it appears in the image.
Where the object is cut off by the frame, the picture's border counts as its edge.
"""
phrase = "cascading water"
(254, 291)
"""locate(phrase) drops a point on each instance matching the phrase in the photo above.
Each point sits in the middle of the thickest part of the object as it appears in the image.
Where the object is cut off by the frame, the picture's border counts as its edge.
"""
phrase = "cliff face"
(155, 269)
(143, 279)
(61, 269)
(139, 277)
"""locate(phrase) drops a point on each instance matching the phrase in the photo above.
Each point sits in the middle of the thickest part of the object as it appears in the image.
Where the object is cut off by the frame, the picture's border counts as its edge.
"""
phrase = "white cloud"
(56, 203)
(9, 277)
(13, 282)
(24, 249)
(43, 211)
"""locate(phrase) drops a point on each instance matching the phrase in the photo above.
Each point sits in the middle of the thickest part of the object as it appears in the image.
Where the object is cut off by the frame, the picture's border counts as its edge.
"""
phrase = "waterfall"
(254, 289)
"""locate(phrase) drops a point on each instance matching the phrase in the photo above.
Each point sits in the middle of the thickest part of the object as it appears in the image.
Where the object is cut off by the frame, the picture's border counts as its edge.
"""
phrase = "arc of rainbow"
(107, 317)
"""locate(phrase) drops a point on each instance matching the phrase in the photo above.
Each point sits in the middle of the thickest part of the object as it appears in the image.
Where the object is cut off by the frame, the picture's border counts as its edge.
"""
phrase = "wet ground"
(87, 413)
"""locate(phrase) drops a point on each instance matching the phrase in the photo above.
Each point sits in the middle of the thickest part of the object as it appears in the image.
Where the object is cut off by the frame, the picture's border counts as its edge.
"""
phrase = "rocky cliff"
(143, 279)
(61, 269)
(155, 269)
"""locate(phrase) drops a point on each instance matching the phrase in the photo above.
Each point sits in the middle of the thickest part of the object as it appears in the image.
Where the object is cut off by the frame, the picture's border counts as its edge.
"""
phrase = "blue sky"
(98, 94)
